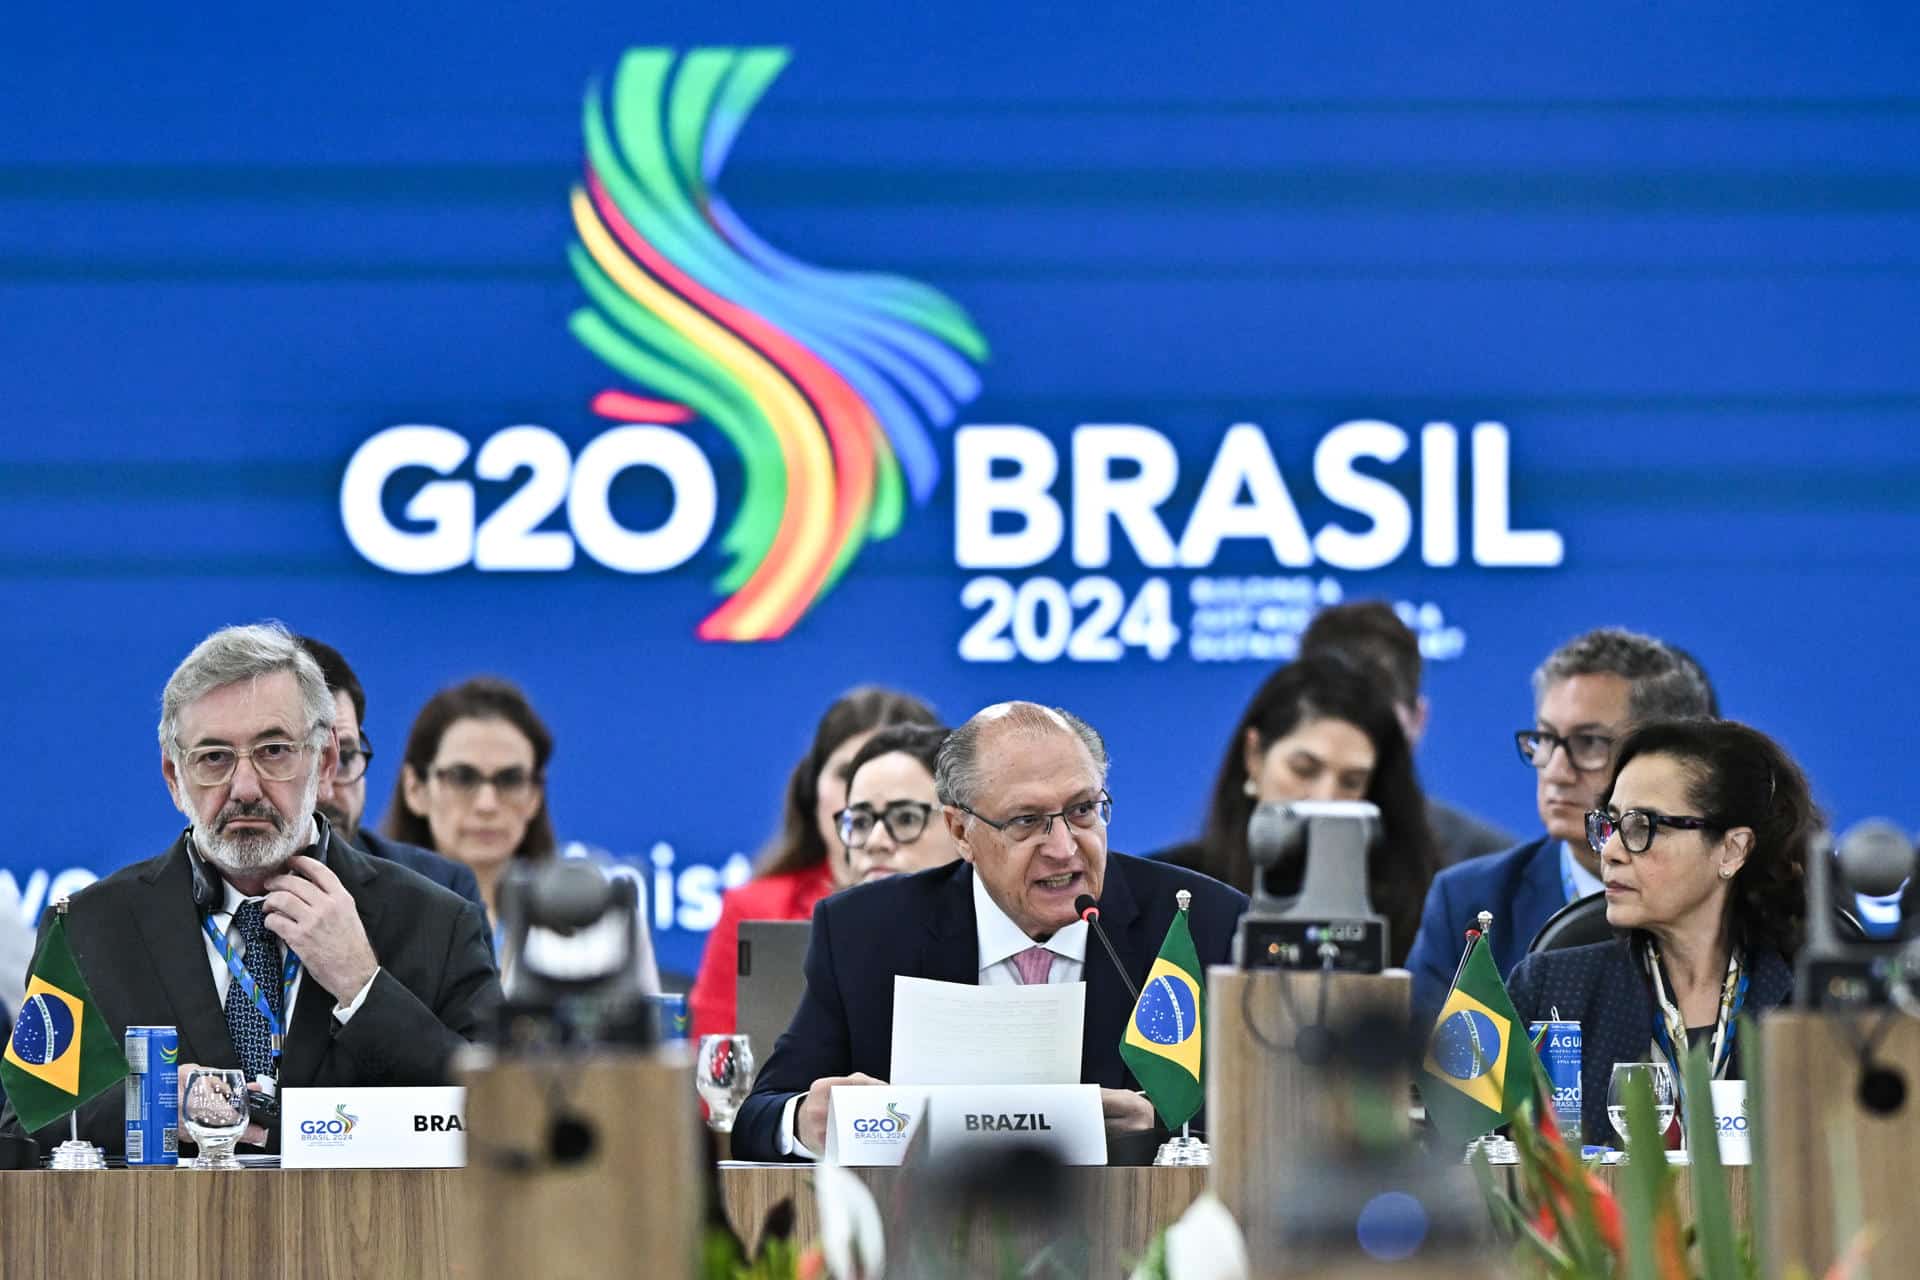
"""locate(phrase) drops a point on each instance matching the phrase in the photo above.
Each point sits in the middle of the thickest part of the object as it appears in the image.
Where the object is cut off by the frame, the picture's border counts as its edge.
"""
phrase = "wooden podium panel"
(1820, 1139)
(636, 1196)
(1265, 1109)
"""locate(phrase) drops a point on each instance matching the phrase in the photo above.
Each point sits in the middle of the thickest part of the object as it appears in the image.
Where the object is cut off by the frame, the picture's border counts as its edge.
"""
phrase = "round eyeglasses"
(905, 821)
(1636, 828)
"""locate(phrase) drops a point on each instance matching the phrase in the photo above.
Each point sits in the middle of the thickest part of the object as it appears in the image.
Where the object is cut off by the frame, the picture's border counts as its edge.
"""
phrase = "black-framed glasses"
(1636, 827)
(354, 758)
(1023, 828)
(514, 785)
(905, 821)
(1587, 752)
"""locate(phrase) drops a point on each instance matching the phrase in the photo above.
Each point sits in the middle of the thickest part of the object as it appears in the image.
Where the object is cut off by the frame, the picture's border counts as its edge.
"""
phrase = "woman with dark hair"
(472, 787)
(1703, 845)
(892, 824)
(1320, 729)
(796, 870)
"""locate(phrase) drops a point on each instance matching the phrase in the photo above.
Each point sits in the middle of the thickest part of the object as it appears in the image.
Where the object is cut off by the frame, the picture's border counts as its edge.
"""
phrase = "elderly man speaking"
(258, 921)
(1023, 791)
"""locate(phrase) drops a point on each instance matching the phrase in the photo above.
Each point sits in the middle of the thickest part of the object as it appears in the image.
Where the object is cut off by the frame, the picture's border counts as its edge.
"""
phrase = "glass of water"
(1626, 1077)
(213, 1111)
(723, 1073)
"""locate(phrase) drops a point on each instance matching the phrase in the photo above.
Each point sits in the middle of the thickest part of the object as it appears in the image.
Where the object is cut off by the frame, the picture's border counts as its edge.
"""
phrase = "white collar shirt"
(1001, 939)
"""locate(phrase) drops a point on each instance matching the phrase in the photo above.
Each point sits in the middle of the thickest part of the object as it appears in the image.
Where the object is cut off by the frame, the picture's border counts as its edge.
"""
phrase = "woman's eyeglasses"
(1637, 828)
(905, 821)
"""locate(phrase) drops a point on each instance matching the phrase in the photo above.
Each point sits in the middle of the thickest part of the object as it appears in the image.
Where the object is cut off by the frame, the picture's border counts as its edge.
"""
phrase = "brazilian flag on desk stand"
(1162, 1045)
(1477, 1071)
(62, 1052)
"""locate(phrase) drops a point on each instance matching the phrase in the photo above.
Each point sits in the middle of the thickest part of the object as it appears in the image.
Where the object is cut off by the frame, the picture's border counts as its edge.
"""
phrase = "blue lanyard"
(248, 987)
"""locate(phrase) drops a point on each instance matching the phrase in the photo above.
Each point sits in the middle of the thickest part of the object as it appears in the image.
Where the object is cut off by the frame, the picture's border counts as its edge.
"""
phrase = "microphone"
(1090, 912)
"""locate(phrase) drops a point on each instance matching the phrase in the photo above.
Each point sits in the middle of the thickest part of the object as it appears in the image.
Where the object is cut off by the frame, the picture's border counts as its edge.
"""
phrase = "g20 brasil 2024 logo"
(828, 384)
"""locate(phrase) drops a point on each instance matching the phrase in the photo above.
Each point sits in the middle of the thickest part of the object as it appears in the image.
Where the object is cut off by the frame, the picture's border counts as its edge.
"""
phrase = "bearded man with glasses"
(1587, 696)
(1023, 797)
(270, 943)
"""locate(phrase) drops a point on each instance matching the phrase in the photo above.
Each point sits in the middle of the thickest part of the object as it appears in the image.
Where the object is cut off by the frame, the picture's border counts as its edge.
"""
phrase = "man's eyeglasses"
(354, 757)
(1024, 828)
(513, 785)
(905, 821)
(274, 761)
(1587, 752)
(1637, 828)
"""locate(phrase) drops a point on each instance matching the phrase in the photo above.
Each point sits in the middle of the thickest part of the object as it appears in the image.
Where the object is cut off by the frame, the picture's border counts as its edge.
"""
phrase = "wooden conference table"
(336, 1224)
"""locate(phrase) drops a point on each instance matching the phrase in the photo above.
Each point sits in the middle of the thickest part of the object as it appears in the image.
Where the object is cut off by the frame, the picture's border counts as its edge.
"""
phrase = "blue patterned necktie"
(252, 1037)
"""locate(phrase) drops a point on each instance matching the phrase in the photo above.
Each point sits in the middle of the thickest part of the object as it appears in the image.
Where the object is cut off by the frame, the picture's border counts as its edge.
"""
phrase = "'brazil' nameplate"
(367, 1128)
(875, 1124)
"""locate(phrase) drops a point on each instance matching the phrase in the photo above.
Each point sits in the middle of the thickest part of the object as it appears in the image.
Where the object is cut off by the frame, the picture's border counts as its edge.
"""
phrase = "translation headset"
(262, 1108)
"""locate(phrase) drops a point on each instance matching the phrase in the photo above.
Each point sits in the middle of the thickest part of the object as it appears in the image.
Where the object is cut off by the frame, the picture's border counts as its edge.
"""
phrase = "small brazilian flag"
(1477, 1073)
(62, 1051)
(1162, 1046)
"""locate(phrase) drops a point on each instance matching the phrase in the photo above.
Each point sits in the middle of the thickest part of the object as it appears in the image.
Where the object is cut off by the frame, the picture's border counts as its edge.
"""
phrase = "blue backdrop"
(1670, 254)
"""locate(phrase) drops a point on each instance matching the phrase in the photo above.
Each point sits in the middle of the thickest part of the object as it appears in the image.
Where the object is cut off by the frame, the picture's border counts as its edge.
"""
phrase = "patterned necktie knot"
(1034, 964)
(249, 1028)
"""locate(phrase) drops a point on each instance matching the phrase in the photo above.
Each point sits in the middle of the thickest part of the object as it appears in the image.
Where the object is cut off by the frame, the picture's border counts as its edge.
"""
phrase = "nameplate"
(413, 1128)
(876, 1124)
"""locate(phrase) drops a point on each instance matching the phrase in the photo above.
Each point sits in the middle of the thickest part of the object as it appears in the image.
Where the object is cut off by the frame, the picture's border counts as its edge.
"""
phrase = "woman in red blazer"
(804, 862)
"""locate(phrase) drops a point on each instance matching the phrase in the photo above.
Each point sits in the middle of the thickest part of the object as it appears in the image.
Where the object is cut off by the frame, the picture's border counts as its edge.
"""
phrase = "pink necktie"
(1034, 964)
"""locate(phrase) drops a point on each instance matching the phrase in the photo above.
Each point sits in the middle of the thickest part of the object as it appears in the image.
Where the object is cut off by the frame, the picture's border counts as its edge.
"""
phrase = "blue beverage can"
(153, 1096)
(1560, 1055)
(674, 1022)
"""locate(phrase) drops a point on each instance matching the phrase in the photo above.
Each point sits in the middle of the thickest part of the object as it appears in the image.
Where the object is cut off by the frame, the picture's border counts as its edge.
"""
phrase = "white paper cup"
(1731, 1122)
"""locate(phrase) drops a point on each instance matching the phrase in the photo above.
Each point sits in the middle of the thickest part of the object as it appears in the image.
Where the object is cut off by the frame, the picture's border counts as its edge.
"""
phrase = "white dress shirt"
(999, 940)
(223, 976)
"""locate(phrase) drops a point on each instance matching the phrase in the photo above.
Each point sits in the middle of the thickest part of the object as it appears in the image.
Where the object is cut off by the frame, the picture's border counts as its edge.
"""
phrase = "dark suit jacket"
(1522, 887)
(138, 939)
(923, 926)
(1604, 988)
(445, 872)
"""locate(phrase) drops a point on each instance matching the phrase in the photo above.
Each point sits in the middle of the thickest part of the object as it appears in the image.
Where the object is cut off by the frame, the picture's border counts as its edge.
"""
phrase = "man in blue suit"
(1586, 695)
(344, 801)
(1023, 790)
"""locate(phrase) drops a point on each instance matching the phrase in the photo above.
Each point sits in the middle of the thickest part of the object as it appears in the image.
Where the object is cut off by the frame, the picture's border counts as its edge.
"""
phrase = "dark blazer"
(1522, 887)
(138, 939)
(1604, 988)
(923, 926)
(445, 872)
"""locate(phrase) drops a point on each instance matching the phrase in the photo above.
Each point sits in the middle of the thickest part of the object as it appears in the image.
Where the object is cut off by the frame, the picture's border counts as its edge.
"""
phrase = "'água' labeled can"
(153, 1096)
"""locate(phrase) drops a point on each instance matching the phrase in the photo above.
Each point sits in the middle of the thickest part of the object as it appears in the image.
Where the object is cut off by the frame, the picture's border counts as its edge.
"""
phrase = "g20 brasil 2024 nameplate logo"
(828, 384)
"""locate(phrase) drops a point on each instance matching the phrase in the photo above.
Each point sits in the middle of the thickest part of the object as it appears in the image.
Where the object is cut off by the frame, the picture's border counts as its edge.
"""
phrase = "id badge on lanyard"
(290, 971)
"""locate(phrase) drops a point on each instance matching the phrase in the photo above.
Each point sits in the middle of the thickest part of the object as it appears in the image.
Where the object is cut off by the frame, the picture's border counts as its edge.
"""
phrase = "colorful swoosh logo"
(829, 384)
(346, 1121)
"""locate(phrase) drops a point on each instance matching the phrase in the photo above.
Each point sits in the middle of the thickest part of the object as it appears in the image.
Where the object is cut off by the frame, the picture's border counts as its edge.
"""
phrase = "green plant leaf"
(1713, 1224)
(1647, 1182)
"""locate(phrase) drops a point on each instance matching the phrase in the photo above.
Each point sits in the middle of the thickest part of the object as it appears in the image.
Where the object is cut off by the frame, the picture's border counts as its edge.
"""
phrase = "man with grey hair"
(269, 943)
(1023, 793)
(1586, 696)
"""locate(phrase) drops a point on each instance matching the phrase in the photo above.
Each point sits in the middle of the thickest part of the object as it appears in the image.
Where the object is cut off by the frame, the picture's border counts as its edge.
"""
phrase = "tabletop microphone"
(1090, 912)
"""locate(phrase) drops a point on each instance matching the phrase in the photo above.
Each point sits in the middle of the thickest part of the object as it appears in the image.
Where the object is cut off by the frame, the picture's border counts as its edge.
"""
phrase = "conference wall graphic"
(690, 372)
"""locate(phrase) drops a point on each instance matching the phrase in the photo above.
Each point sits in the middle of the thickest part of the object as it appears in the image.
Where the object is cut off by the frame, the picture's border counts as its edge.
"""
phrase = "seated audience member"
(1023, 795)
(1586, 695)
(1320, 729)
(1703, 840)
(1371, 635)
(891, 824)
(394, 973)
(344, 801)
(803, 862)
(473, 787)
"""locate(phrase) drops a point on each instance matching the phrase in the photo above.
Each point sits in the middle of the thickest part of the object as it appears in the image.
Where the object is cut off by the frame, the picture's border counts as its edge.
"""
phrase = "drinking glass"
(1625, 1077)
(723, 1074)
(213, 1111)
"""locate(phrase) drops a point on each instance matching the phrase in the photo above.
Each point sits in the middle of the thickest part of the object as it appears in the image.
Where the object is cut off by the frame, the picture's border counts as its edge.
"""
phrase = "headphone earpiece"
(205, 893)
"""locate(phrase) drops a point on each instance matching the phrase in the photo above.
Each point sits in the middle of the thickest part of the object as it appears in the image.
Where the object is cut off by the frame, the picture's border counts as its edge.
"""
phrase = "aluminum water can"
(1560, 1055)
(153, 1096)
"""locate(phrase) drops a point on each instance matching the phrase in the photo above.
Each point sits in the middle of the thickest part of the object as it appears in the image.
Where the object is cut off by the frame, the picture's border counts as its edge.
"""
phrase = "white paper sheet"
(959, 1033)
